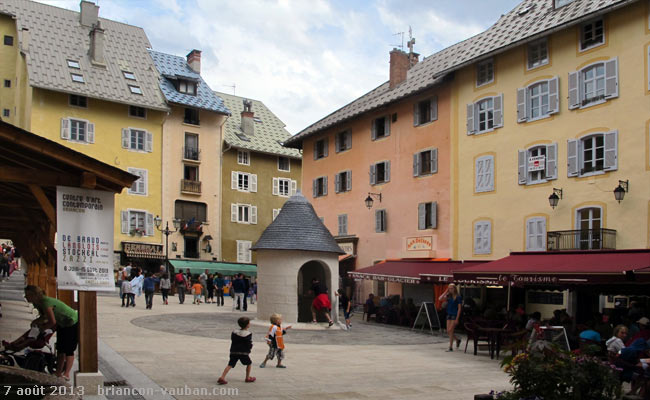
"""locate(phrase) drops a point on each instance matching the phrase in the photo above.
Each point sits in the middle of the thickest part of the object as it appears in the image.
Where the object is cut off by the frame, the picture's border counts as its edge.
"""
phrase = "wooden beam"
(88, 180)
(42, 199)
(39, 177)
(88, 361)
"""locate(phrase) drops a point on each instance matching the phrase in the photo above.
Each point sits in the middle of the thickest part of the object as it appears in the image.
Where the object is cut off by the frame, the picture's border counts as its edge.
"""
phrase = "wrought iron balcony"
(190, 186)
(581, 239)
(192, 153)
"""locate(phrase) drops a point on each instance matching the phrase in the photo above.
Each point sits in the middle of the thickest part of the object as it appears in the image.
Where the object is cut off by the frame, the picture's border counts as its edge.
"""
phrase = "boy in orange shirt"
(275, 341)
(197, 289)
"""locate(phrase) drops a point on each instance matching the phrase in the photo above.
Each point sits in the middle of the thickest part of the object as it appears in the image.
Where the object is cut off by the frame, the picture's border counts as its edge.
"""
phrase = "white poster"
(84, 241)
(537, 163)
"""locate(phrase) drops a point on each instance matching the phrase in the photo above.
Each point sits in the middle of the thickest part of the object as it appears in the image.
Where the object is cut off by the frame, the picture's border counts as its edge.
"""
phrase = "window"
(589, 222)
(276, 212)
(485, 115)
(243, 213)
(137, 222)
(536, 234)
(190, 210)
(138, 112)
(380, 173)
(243, 157)
(191, 173)
(593, 84)
(77, 78)
(9, 40)
(484, 169)
(187, 87)
(425, 111)
(428, 215)
(320, 149)
(592, 34)
(538, 164)
(135, 89)
(191, 149)
(425, 162)
(284, 164)
(284, 187)
(140, 185)
(537, 53)
(129, 75)
(244, 182)
(137, 140)
(6, 113)
(343, 141)
(560, 3)
(482, 237)
(244, 251)
(343, 225)
(320, 186)
(380, 221)
(73, 64)
(191, 116)
(380, 128)
(343, 182)
(78, 101)
(538, 100)
(484, 72)
(7, 83)
(592, 154)
(77, 130)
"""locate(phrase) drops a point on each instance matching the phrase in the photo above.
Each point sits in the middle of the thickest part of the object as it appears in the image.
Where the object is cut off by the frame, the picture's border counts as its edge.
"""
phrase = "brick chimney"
(89, 14)
(399, 65)
(247, 122)
(97, 44)
(194, 60)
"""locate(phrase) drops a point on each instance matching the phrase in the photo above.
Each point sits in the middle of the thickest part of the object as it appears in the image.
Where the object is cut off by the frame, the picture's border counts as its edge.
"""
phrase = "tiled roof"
(269, 131)
(57, 35)
(297, 227)
(529, 20)
(173, 67)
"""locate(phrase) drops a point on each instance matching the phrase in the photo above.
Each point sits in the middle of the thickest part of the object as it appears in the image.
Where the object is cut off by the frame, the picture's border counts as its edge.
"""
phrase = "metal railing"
(190, 186)
(581, 239)
(192, 153)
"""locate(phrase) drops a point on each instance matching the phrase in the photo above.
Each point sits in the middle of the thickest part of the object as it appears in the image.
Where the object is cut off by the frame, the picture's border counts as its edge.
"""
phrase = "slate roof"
(528, 21)
(297, 227)
(269, 132)
(173, 67)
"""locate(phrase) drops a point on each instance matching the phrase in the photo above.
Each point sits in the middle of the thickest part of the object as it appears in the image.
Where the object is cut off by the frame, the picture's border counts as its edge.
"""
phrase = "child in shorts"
(197, 290)
(275, 341)
(240, 350)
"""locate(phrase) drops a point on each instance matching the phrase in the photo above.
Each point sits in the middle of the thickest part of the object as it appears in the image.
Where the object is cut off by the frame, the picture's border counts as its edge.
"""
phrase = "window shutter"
(553, 96)
(572, 157)
(315, 187)
(337, 142)
(345, 224)
(471, 127)
(316, 150)
(294, 187)
(148, 146)
(126, 138)
(434, 161)
(90, 138)
(65, 129)
(489, 170)
(521, 104)
(373, 174)
(487, 237)
(387, 170)
(324, 186)
(611, 151)
(416, 164)
(434, 215)
(541, 234)
(498, 110)
(125, 222)
(434, 108)
(378, 221)
(348, 181)
(478, 175)
(373, 129)
(276, 186)
(326, 147)
(522, 173)
(149, 229)
(144, 181)
(416, 114)
(648, 64)
(574, 92)
(276, 211)
(253, 187)
(233, 180)
(387, 125)
(348, 140)
(233, 212)
(337, 183)
(254, 215)
(477, 237)
(551, 161)
(611, 78)
(422, 213)
(531, 227)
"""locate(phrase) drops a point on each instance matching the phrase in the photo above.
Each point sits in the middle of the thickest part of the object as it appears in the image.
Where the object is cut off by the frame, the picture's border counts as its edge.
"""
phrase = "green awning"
(198, 267)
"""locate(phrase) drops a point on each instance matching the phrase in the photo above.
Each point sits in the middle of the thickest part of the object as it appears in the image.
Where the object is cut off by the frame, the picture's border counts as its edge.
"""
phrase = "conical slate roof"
(297, 227)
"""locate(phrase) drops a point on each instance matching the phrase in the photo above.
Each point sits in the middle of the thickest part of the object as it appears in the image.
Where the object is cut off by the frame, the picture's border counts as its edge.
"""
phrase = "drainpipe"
(221, 190)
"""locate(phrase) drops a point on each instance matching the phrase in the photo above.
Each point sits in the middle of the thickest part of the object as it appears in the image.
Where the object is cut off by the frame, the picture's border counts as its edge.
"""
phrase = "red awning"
(411, 271)
(344, 257)
(562, 268)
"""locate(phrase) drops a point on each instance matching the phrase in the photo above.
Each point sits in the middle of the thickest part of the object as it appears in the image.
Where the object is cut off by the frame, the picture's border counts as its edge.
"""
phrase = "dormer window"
(129, 75)
(187, 87)
(74, 64)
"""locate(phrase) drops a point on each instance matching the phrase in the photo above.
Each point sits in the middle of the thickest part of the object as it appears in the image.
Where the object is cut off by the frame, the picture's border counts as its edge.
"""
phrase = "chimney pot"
(247, 122)
(194, 60)
(97, 44)
(89, 14)
(399, 65)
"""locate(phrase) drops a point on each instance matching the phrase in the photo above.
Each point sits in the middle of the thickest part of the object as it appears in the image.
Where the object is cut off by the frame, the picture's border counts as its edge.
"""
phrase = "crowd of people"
(9, 260)
(393, 309)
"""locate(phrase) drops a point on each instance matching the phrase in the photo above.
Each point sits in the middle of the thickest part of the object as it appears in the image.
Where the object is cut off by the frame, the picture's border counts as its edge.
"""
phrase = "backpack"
(179, 278)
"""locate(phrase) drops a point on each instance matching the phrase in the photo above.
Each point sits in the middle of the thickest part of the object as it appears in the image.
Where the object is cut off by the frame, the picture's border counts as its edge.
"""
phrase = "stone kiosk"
(293, 250)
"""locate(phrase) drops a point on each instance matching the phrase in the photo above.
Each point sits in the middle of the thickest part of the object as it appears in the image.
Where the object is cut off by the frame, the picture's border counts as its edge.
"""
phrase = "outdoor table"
(494, 339)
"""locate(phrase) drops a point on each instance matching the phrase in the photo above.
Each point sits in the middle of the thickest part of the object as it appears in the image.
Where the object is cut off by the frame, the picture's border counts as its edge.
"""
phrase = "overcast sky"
(303, 58)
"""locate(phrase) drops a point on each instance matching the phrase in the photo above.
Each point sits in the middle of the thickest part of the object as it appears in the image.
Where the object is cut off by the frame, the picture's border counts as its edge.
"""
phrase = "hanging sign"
(419, 243)
(84, 241)
(537, 163)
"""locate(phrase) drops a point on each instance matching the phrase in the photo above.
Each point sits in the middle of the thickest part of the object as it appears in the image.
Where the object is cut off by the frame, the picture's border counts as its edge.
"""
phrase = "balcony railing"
(191, 226)
(581, 239)
(190, 186)
(191, 153)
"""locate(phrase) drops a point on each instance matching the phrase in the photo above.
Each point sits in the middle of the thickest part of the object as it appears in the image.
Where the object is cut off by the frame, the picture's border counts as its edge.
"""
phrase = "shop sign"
(143, 250)
(536, 279)
(383, 278)
(348, 248)
(537, 163)
(419, 243)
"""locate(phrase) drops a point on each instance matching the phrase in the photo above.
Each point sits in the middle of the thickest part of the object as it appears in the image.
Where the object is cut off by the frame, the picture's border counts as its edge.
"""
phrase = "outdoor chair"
(515, 341)
(369, 313)
(475, 335)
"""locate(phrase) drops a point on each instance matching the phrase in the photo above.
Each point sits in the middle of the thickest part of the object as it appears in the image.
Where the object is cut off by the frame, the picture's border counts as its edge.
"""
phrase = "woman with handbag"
(454, 308)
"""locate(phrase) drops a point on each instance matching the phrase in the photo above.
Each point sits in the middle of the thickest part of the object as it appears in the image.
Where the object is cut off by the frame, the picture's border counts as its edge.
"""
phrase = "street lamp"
(553, 199)
(167, 232)
(621, 189)
(369, 199)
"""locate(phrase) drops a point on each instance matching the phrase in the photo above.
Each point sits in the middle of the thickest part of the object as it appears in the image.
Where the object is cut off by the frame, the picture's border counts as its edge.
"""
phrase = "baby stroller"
(30, 351)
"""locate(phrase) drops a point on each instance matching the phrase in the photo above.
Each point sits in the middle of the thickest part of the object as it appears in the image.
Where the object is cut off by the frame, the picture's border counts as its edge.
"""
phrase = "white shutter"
(315, 187)
(422, 213)
(276, 186)
(522, 172)
(90, 137)
(253, 183)
(471, 126)
(233, 180)
(253, 214)
(434, 215)
(233, 212)
(387, 125)
(553, 96)
(348, 140)
(387, 171)
(149, 224)
(489, 170)
(541, 234)
(521, 104)
(574, 90)
(337, 183)
(611, 78)
(434, 108)
(531, 227)
(348, 181)
(378, 221)
(611, 151)
(487, 237)
(551, 161)
(478, 175)
(416, 114)
(241, 256)
(126, 138)
(572, 157)
(324, 186)
(125, 222)
(65, 129)
(149, 142)
(373, 174)
(276, 211)
(478, 230)
(498, 110)
(434, 161)
(536, 234)
(416, 164)
(294, 187)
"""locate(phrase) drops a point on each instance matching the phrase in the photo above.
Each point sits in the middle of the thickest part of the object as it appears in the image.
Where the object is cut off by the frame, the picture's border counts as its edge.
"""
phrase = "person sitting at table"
(535, 319)
(615, 343)
(590, 334)
(644, 332)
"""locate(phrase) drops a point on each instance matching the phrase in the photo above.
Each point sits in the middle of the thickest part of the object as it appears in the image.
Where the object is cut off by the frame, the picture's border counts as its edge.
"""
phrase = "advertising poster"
(84, 240)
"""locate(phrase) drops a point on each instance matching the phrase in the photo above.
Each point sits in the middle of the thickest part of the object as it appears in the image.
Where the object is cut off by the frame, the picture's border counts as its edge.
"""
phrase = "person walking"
(126, 291)
(203, 280)
(210, 287)
(136, 286)
(454, 309)
(165, 286)
(238, 292)
(219, 283)
(180, 286)
(240, 350)
(149, 287)
(247, 288)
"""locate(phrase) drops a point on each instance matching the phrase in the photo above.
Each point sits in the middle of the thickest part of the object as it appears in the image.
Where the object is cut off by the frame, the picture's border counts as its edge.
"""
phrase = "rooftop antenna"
(401, 46)
(233, 86)
(411, 41)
